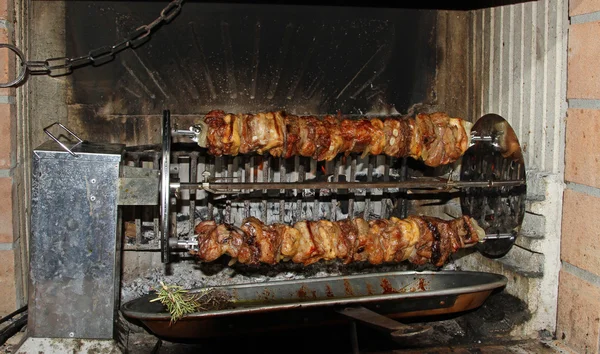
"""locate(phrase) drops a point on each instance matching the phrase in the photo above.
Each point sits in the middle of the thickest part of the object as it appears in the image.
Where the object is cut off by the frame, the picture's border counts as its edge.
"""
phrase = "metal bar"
(443, 185)
(265, 167)
(282, 179)
(193, 179)
(210, 166)
(229, 163)
(138, 229)
(316, 204)
(336, 178)
(156, 209)
(247, 179)
(403, 176)
(301, 175)
(352, 191)
(368, 192)
(386, 178)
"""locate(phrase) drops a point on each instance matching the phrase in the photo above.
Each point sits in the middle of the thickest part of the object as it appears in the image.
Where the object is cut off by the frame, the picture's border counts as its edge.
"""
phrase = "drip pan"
(284, 305)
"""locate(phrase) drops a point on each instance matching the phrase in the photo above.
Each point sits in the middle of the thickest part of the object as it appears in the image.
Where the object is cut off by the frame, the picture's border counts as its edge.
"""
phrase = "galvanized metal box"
(74, 242)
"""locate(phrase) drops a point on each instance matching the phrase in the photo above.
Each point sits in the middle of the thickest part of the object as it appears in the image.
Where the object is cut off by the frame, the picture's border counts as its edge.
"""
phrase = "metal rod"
(334, 185)
(193, 243)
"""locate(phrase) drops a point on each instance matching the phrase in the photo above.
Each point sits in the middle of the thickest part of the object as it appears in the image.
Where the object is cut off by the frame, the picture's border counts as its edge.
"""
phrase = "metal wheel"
(495, 155)
(165, 189)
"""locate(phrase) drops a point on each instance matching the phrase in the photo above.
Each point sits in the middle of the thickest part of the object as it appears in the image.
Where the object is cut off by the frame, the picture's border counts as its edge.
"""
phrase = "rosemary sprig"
(180, 302)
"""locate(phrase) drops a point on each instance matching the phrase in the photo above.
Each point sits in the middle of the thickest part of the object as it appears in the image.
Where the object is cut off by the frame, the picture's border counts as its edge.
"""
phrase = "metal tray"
(300, 303)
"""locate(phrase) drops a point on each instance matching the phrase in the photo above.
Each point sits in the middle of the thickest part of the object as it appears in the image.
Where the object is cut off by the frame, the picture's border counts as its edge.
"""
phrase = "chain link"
(64, 65)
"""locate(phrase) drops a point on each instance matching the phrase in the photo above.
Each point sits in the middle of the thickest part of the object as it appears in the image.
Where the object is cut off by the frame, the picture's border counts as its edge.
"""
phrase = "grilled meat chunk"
(417, 239)
(436, 139)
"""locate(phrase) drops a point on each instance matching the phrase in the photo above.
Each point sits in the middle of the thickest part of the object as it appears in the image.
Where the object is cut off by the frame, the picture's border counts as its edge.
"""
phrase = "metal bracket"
(377, 321)
(59, 142)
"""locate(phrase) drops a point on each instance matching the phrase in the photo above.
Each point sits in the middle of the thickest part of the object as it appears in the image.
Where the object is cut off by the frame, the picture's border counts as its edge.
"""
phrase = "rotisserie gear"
(436, 138)
(418, 239)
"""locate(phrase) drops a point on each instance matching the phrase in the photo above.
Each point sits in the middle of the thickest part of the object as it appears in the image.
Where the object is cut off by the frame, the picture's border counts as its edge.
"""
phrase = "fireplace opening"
(476, 62)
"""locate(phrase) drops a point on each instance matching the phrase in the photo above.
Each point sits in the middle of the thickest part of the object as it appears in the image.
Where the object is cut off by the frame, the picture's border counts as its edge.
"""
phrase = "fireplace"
(504, 58)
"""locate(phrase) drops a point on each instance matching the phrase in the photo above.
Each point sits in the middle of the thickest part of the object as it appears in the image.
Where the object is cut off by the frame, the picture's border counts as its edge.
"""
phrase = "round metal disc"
(165, 189)
(494, 155)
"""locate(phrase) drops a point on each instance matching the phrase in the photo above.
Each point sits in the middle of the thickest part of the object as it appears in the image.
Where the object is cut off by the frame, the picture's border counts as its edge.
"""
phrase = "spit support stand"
(499, 211)
(165, 190)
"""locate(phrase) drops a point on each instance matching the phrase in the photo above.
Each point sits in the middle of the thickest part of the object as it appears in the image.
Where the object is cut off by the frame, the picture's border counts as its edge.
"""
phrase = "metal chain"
(64, 65)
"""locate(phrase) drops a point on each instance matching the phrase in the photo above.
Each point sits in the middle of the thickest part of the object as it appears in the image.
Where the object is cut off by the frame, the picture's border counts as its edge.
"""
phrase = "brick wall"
(578, 322)
(8, 276)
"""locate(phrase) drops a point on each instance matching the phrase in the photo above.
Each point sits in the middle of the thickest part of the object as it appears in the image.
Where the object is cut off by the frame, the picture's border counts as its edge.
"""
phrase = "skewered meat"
(418, 239)
(436, 139)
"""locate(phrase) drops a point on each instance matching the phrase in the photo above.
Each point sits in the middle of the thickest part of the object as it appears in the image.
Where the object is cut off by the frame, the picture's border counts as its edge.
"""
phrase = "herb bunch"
(180, 302)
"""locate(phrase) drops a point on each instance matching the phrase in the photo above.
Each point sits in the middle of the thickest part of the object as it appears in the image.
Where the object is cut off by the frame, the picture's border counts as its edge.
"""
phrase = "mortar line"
(6, 246)
(591, 17)
(584, 103)
(7, 99)
(6, 25)
(586, 275)
(5, 172)
(582, 188)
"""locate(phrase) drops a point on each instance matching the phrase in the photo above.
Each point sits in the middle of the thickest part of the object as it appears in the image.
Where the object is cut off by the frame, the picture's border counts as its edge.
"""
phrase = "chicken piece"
(307, 143)
(426, 133)
(332, 141)
(307, 250)
(218, 130)
(327, 238)
(348, 134)
(440, 246)
(434, 146)
(423, 251)
(377, 143)
(216, 240)
(263, 132)
(268, 238)
(361, 135)
(290, 241)
(292, 136)
(362, 228)
(409, 231)
(469, 231)
(349, 236)
(375, 247)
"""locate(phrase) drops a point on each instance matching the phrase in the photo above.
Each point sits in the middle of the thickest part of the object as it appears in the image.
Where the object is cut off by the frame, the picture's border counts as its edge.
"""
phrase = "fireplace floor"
(143, 344)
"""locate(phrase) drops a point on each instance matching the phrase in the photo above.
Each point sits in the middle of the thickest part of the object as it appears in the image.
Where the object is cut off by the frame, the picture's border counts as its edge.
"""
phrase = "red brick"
(579, 245)
(7, 283)
(580, 7)
(583, 135)
(578, 322)
(6, 219)
(583, 69)
(6, 9)
(7, 118)
(7, 63)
